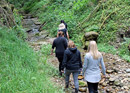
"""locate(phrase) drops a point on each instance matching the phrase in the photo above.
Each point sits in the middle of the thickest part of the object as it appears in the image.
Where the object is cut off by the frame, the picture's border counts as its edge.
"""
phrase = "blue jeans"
(75, 77)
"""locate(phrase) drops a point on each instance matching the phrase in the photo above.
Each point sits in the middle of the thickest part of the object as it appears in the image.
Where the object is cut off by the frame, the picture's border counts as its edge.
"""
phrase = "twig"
(41, 25)
(5, 17)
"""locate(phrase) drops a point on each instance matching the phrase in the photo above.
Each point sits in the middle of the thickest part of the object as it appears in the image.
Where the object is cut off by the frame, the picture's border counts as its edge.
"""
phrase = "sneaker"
(76, 90)
(60, 73)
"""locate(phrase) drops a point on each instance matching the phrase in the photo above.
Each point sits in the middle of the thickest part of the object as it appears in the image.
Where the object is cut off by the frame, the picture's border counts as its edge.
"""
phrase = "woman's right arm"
(103, 66)
(53, 46)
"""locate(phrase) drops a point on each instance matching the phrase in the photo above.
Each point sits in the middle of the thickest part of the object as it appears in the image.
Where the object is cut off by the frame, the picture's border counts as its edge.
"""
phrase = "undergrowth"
(22, 70)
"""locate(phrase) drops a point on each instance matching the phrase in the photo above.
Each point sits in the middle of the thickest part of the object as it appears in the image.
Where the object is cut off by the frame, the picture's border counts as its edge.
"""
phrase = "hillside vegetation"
(107, 17)
(24, 71)
(21, 69)
(110, 18)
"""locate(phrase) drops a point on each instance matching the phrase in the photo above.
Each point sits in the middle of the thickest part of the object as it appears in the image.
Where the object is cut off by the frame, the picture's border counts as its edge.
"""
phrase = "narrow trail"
(118, 70)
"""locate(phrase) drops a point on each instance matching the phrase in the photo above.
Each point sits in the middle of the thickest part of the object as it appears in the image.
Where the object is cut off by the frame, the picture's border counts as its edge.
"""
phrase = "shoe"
(67, 86)
(60, 73)
(76, 90)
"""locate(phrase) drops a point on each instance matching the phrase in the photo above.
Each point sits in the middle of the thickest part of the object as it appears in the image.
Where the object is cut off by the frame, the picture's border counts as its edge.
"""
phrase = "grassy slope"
(21, 70)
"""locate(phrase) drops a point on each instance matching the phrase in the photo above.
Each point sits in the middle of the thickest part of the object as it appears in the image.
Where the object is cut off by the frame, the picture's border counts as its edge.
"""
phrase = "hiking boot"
(67, 86)
(60, 73)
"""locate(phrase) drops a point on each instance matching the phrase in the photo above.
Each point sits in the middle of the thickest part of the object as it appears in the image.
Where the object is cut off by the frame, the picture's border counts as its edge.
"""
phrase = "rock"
(117, 82)
(104, 84)
(36, 22)
(87, 37)
(128, 75)
(82, 83)
(110, 71)
(121, 84)
(112, 79)
(91, 36)
(83, 89)
(129, 86)
(85, 45)
(109, 90)
(125, 87)
(115, 70)
(80, 77)
(128, 70)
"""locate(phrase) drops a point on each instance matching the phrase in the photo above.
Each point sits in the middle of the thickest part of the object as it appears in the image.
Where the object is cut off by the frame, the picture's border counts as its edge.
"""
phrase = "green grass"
(122, 51)
(106, 48)
(21, 69)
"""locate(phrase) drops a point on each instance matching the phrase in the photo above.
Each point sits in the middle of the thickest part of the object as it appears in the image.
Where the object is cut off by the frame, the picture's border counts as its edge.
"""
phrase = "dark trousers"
(92, 87)
(60, 59)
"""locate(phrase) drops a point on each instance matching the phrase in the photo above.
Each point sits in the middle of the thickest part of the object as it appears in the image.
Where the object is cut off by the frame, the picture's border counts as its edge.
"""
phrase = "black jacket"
(72, 59)
(64, 31)
(60, 43)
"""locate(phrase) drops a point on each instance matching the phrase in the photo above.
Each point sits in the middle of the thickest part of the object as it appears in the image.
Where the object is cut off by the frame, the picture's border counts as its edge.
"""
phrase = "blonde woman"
(72, 62)
(91, 69)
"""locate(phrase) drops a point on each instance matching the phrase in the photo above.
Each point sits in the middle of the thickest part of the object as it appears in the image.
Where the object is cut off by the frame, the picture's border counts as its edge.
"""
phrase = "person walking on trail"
(62, 21)
(72, 64)
(91, 69)
(63, 28)
(60, 43)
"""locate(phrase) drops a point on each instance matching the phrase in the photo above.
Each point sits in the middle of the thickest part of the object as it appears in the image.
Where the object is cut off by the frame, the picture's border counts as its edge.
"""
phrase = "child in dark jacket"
(72, 62)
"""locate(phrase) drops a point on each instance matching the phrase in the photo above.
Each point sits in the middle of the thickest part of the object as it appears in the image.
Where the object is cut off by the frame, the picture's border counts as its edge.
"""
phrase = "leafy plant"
(106, 48)
(21, 69)
(123, 50)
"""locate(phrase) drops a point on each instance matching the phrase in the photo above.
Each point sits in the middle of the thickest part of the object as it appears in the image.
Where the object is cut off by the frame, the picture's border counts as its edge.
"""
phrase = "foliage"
(123, 50)
(105, 20)
(21, 69)
(18, 28)
(46, 49)
(106, 17)
(107, 48)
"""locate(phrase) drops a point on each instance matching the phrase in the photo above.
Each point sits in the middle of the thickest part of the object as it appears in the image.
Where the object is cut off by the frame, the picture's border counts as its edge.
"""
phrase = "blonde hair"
(71, 44)
(93, 50)
(61, 26)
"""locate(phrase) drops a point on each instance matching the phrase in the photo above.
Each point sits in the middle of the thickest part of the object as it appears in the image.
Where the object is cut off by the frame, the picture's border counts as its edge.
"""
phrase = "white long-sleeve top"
(91, 69)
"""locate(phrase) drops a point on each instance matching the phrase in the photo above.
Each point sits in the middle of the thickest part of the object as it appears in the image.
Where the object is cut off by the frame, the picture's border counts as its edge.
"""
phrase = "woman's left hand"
(62, 71)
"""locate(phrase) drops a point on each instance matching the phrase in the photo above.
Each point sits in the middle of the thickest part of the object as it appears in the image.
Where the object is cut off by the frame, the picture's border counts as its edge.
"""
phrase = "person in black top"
(62, 21)
(63, 28)
(60, 43)
(72, 62)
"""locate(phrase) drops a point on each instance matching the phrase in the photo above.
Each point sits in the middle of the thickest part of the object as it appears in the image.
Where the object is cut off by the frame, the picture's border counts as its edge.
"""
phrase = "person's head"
(62, 21)
(71, 44)
(92, 48)
(60, 33)
(61, 26)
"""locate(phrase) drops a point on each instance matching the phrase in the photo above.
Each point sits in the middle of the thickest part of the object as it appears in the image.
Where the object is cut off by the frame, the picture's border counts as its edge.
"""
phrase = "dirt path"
(118, 70)
(117, 77)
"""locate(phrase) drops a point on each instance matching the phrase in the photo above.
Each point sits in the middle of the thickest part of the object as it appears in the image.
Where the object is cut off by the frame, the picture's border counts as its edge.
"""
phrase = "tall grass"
(21, 71)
